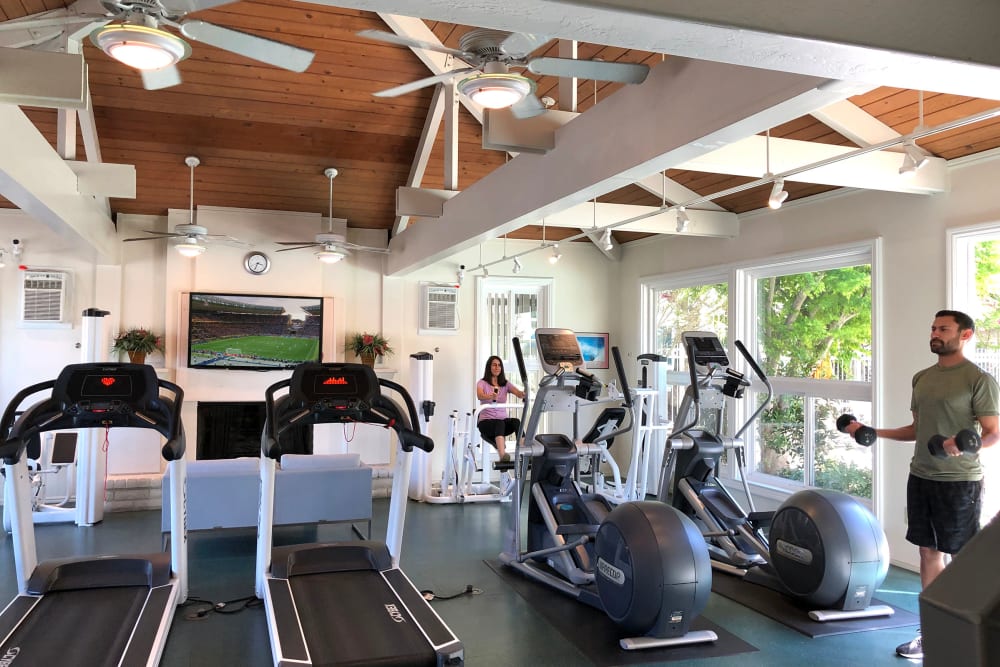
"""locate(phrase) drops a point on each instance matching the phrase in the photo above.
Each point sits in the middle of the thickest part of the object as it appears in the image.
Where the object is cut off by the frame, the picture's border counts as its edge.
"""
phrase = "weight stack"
(960, 610)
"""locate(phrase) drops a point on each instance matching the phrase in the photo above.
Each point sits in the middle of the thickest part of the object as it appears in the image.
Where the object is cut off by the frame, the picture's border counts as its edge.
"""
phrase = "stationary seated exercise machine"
(98, 610)
(822, 547)
(643, 563)
(344, 603)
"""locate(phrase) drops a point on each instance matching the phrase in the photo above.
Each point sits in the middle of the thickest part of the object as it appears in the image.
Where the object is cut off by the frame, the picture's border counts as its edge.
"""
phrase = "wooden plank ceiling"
(264, 135)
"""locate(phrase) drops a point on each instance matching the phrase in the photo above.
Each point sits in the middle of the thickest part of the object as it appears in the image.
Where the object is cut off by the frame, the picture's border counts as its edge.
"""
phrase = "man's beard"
(942, 348)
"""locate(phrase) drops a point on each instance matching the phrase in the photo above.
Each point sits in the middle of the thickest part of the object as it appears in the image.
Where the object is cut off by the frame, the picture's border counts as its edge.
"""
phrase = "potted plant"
(368, 346)
(137, 342)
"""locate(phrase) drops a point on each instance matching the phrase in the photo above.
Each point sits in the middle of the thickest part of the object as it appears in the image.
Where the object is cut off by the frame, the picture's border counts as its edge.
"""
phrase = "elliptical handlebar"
(626, 391)
(763, 378)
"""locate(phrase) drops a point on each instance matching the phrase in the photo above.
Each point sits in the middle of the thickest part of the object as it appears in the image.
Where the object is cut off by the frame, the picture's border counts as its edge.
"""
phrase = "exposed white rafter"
(745, 101)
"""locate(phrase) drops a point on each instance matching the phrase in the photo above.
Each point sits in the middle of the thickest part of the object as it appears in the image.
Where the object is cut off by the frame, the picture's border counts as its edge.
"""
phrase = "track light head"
(556, 255)
(486, 272)
(778, 194)
(913, 159)
(682, 220)
(517, 266)
(606, 242)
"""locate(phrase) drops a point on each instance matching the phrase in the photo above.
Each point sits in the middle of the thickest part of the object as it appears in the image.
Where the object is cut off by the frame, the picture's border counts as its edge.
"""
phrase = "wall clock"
(256, 263)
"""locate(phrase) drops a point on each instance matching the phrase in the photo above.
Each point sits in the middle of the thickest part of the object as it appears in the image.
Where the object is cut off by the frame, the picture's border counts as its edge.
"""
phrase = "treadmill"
(344, 603)
(95, 610)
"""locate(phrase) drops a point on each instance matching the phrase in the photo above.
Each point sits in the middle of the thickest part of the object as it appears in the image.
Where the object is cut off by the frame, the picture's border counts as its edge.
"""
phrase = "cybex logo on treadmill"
(793, 552)
(610, 572)
(8, 658)
(333, 380)
(394, 613)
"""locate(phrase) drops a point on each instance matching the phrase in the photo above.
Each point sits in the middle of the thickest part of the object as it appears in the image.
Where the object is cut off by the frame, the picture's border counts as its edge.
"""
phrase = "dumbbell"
(865, 435)
(967, 440)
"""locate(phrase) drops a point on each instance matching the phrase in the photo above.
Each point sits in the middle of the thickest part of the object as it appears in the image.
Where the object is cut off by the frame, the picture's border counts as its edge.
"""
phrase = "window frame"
(742, 277)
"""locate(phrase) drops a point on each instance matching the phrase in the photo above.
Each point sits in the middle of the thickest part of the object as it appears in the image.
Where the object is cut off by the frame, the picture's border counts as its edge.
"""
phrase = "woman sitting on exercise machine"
(494, 424)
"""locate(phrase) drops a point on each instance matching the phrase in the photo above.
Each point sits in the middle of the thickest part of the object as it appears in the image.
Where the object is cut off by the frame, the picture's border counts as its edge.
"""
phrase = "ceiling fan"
(491, 54)
(192, 235)
(133, 34)
(333, 247)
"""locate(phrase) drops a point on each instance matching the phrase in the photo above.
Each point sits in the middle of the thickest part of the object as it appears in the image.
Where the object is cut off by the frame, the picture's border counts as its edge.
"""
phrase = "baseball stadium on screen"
(253, 331)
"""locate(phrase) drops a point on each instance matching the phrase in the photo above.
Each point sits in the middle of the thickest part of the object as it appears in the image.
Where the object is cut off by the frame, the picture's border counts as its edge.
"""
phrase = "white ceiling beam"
(42, 79)
(37, 180)
(672, 191)
(916, 44)
(878, 170)
(424, 147)
(744, 101)
(721, 224)
(856, 124)
(104, 180)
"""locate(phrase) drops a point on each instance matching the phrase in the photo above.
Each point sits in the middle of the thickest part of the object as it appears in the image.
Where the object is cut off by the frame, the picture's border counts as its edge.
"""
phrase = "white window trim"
(742, 309)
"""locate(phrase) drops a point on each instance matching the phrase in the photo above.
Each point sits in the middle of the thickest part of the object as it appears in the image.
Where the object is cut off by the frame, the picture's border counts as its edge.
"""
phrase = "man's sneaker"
(913, 649)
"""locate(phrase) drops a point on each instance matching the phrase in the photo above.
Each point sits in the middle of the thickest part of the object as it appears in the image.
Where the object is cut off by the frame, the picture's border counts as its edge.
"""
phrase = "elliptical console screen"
(706, 348)
(558, 348)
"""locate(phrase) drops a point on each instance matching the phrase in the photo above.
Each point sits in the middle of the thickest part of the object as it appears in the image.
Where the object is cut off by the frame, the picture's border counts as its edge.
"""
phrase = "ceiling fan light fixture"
(496, 90)
(141, 47)
(329, 255)
(189, 247)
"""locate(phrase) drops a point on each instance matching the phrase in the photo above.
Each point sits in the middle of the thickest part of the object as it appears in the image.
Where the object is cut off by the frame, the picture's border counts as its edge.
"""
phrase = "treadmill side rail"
(447, 646)
(288, 642)
(145, 646)
(14, 613)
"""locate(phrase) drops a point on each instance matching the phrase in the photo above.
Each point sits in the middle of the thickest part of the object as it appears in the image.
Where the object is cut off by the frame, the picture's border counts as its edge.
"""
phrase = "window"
(812, 328)
(509, 307)
(975, 289)
(807, 319)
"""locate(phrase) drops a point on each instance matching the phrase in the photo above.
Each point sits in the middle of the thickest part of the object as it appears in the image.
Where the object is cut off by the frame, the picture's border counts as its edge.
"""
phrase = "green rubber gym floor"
(445, 549)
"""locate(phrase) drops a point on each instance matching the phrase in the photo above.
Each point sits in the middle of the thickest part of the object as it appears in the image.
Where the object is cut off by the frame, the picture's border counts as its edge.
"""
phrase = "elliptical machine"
(643, 563)
(822, 547)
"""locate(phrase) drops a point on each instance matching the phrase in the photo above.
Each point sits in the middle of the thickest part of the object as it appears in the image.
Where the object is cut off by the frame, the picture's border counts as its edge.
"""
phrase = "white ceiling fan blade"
(589, 69)
(423, 83)
(225, 239)
(520, 44)
(158, 79)
(363, 248)
(265, 50)
(177, 8)
(528, 107)
(296, 247)
(155, 235)
(393, 38)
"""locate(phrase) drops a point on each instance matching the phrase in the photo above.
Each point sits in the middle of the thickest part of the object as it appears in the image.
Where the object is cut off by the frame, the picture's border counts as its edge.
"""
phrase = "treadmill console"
(705, 348)
(558, 351)
(349, 390)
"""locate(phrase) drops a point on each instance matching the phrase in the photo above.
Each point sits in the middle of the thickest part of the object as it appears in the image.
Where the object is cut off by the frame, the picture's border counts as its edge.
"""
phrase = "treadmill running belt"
(88, 627)
(350, 618)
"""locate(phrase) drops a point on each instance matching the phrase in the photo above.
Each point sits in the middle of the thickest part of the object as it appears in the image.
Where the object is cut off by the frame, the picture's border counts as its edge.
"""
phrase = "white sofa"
(225, 493)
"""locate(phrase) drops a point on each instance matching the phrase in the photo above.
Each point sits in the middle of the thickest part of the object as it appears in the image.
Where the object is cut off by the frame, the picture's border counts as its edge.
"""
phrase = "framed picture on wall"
(594, 347)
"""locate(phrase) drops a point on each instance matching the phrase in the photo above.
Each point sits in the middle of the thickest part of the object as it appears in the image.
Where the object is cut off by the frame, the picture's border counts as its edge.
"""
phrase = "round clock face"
(256, 263)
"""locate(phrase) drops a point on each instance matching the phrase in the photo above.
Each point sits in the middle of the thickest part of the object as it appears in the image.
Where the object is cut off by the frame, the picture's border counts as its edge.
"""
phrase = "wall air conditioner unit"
(438, 309)
(44, 299)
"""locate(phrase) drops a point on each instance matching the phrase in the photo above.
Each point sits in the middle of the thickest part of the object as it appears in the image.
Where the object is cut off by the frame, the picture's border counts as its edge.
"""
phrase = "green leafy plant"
(362, 343)
(137, 339)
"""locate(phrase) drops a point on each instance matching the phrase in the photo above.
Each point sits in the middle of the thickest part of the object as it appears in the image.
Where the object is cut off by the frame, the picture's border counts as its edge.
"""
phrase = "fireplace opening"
(227, 430)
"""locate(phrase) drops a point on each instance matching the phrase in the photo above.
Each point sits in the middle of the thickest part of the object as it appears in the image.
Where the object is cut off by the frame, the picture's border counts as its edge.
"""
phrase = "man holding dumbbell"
(944, 490)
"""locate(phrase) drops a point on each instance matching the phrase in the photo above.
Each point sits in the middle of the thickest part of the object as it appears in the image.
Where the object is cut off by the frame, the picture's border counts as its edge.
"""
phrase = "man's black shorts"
(942, 515)
(490, 429)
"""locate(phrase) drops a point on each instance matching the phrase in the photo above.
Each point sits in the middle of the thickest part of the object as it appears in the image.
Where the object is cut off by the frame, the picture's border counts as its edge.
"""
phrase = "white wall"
(591, 293)
(913, 231)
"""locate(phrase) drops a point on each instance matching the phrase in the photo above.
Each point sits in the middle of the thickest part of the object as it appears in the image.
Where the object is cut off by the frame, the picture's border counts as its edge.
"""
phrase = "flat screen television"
(253, 331)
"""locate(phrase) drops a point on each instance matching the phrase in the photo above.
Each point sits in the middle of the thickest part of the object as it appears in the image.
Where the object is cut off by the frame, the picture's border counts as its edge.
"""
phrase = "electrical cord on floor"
(469, 590)
(228, 607)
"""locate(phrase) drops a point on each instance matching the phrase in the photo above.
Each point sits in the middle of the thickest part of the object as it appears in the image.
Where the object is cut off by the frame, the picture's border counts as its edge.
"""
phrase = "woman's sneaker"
(913, 649)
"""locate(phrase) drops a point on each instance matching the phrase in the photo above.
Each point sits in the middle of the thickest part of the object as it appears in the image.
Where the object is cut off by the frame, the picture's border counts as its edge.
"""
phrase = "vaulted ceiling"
(265, 135)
